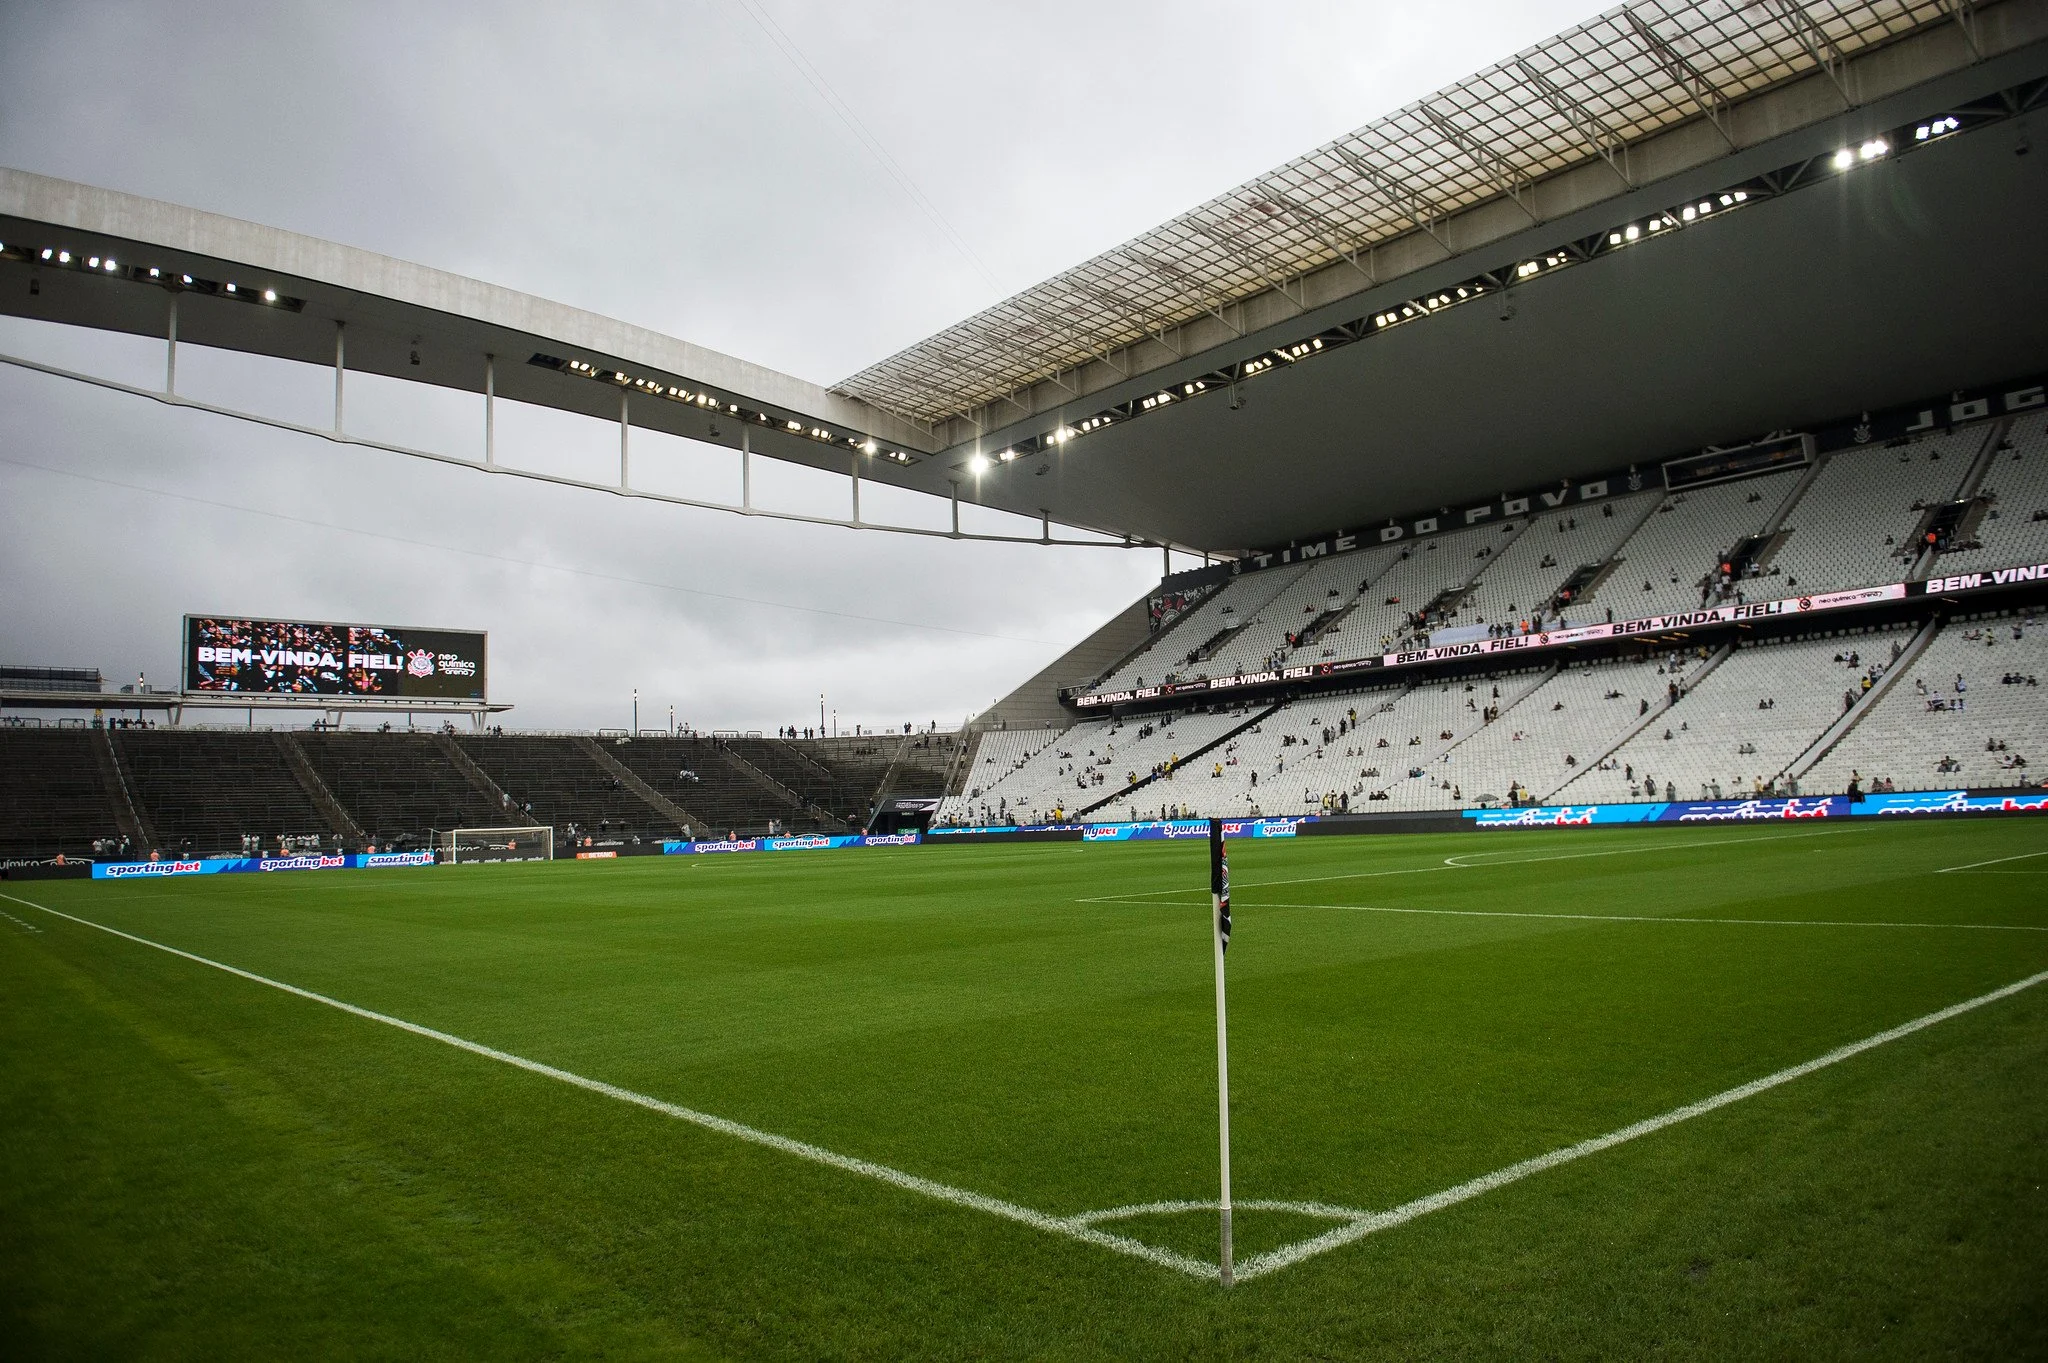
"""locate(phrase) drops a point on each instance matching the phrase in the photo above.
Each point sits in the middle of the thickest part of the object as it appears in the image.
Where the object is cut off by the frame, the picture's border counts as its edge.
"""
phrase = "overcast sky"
(672, 165)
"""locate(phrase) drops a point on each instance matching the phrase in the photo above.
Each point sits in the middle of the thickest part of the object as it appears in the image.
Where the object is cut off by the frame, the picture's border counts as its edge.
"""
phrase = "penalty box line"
(1079, 1228)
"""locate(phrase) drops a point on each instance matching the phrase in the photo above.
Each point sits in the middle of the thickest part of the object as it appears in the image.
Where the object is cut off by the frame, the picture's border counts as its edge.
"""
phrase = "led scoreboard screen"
(311, 658)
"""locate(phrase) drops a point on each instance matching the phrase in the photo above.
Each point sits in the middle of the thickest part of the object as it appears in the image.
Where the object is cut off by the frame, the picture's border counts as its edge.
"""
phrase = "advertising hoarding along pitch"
(316, 658)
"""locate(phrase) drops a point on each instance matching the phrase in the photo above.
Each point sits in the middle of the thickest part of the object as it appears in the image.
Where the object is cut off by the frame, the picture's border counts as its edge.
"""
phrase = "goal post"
(495, 844)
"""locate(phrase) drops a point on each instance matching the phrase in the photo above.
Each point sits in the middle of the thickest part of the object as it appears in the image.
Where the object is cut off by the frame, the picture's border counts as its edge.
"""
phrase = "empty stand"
(51, 797)
(203, 791)
(399, 787)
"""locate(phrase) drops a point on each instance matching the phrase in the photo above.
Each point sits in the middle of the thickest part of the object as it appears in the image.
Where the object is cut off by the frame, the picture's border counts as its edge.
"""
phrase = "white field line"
(1993, 862)
(1656, 918)
(25, 927)
(1073, 1228)
(1274, 1260)
(1322, 1209)
(1457, 863)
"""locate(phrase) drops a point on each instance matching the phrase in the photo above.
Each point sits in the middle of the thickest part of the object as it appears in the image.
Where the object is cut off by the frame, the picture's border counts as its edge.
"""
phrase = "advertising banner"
(314, 658)
(1749, 612)
(1772, 808)
(213, 866)
(805, 842)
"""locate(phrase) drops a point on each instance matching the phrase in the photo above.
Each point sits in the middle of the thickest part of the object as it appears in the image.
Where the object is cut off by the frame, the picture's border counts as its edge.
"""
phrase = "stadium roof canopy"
(1588, 93)
(1654, 199)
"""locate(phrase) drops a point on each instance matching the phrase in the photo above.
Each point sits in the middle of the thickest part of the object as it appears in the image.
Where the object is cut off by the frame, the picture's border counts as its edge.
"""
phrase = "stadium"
(1588, 713)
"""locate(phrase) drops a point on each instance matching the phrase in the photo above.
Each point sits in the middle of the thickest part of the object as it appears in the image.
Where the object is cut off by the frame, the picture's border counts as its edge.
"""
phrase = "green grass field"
(197, 1164)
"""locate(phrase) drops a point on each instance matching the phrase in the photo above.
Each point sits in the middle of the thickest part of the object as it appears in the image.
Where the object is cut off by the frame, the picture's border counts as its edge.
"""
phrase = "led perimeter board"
(226, 656)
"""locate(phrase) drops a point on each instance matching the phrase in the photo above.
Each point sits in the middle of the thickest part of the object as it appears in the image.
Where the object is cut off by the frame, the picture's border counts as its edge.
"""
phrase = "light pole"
(821, 714)
(636, 712)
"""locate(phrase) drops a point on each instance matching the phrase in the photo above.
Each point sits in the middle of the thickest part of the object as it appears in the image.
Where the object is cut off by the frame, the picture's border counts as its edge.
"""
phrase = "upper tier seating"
(1232, 605)
(2015, 531)
(1523, 577)
(1663, 564)
(1853, 527)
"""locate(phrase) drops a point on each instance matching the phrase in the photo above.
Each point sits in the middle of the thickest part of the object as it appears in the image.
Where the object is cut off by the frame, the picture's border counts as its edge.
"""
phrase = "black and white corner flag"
(1219, 880)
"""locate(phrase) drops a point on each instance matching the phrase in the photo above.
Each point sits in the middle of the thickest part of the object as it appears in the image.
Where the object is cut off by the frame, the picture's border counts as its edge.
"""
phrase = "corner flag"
(1219, 898)
(1219, 880)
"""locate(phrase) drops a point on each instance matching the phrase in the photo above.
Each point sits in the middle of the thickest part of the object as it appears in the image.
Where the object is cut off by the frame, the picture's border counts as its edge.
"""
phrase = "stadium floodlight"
(978, 464)
(1844, 159)
(270, 295)
(188, 279)
(231, 288)
(1873, 149)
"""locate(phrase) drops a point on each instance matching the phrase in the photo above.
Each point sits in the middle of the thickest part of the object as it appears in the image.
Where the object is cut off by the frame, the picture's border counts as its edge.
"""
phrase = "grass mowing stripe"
(1072, 1228)
(1260, 1265)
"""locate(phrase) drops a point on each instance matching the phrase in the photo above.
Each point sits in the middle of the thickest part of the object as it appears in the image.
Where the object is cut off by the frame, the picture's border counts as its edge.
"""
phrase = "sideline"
(1993, 862)
(1656, 918)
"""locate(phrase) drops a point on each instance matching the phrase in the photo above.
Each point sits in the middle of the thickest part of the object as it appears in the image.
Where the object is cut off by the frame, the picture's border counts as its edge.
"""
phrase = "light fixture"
(978, 464)
(1844, 159)
(270, 295)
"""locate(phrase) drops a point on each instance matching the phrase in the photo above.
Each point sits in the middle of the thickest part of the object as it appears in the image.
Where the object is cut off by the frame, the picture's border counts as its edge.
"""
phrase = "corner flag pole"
(1219, 903)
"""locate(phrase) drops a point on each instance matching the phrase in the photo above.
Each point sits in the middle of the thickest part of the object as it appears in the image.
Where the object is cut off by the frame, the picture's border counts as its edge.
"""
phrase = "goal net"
(496, 844)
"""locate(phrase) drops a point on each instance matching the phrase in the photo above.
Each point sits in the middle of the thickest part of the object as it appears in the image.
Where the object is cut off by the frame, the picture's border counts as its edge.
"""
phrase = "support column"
(490, 411)
(625, 426)
(1165, 561)
(853, 470)
(1044, 526)
(340, 368)
(171, 352)
(746, 468)
(955, 482)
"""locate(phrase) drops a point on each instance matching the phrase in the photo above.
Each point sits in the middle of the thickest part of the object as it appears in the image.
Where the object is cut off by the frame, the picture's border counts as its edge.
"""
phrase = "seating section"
(1556, 732)
(1974, 699)
(52, 800)
(1091, 762)
(2015, 530)
(201, 792)
(1662, 564)
(1311, 594)
(399, 787)
(1236, 604)
(1746, 721)
(1525, 575)
(1854, 524)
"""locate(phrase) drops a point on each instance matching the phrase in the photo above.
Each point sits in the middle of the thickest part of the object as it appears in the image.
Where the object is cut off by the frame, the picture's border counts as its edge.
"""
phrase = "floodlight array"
(60, 256)
(1584, 95)
(1669, 222)
(716, 406)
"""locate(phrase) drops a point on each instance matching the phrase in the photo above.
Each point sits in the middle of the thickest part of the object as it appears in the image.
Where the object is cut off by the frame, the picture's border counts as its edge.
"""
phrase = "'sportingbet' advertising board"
(1764, 809)
(230, 656)
(214, 866)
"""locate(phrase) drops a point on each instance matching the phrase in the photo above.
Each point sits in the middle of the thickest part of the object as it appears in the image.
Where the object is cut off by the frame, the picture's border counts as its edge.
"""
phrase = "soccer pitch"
(960, 1102)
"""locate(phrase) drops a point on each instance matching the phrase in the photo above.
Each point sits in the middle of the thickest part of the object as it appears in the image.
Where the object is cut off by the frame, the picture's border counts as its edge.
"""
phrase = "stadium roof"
(1835, 287)
(1586, 94)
